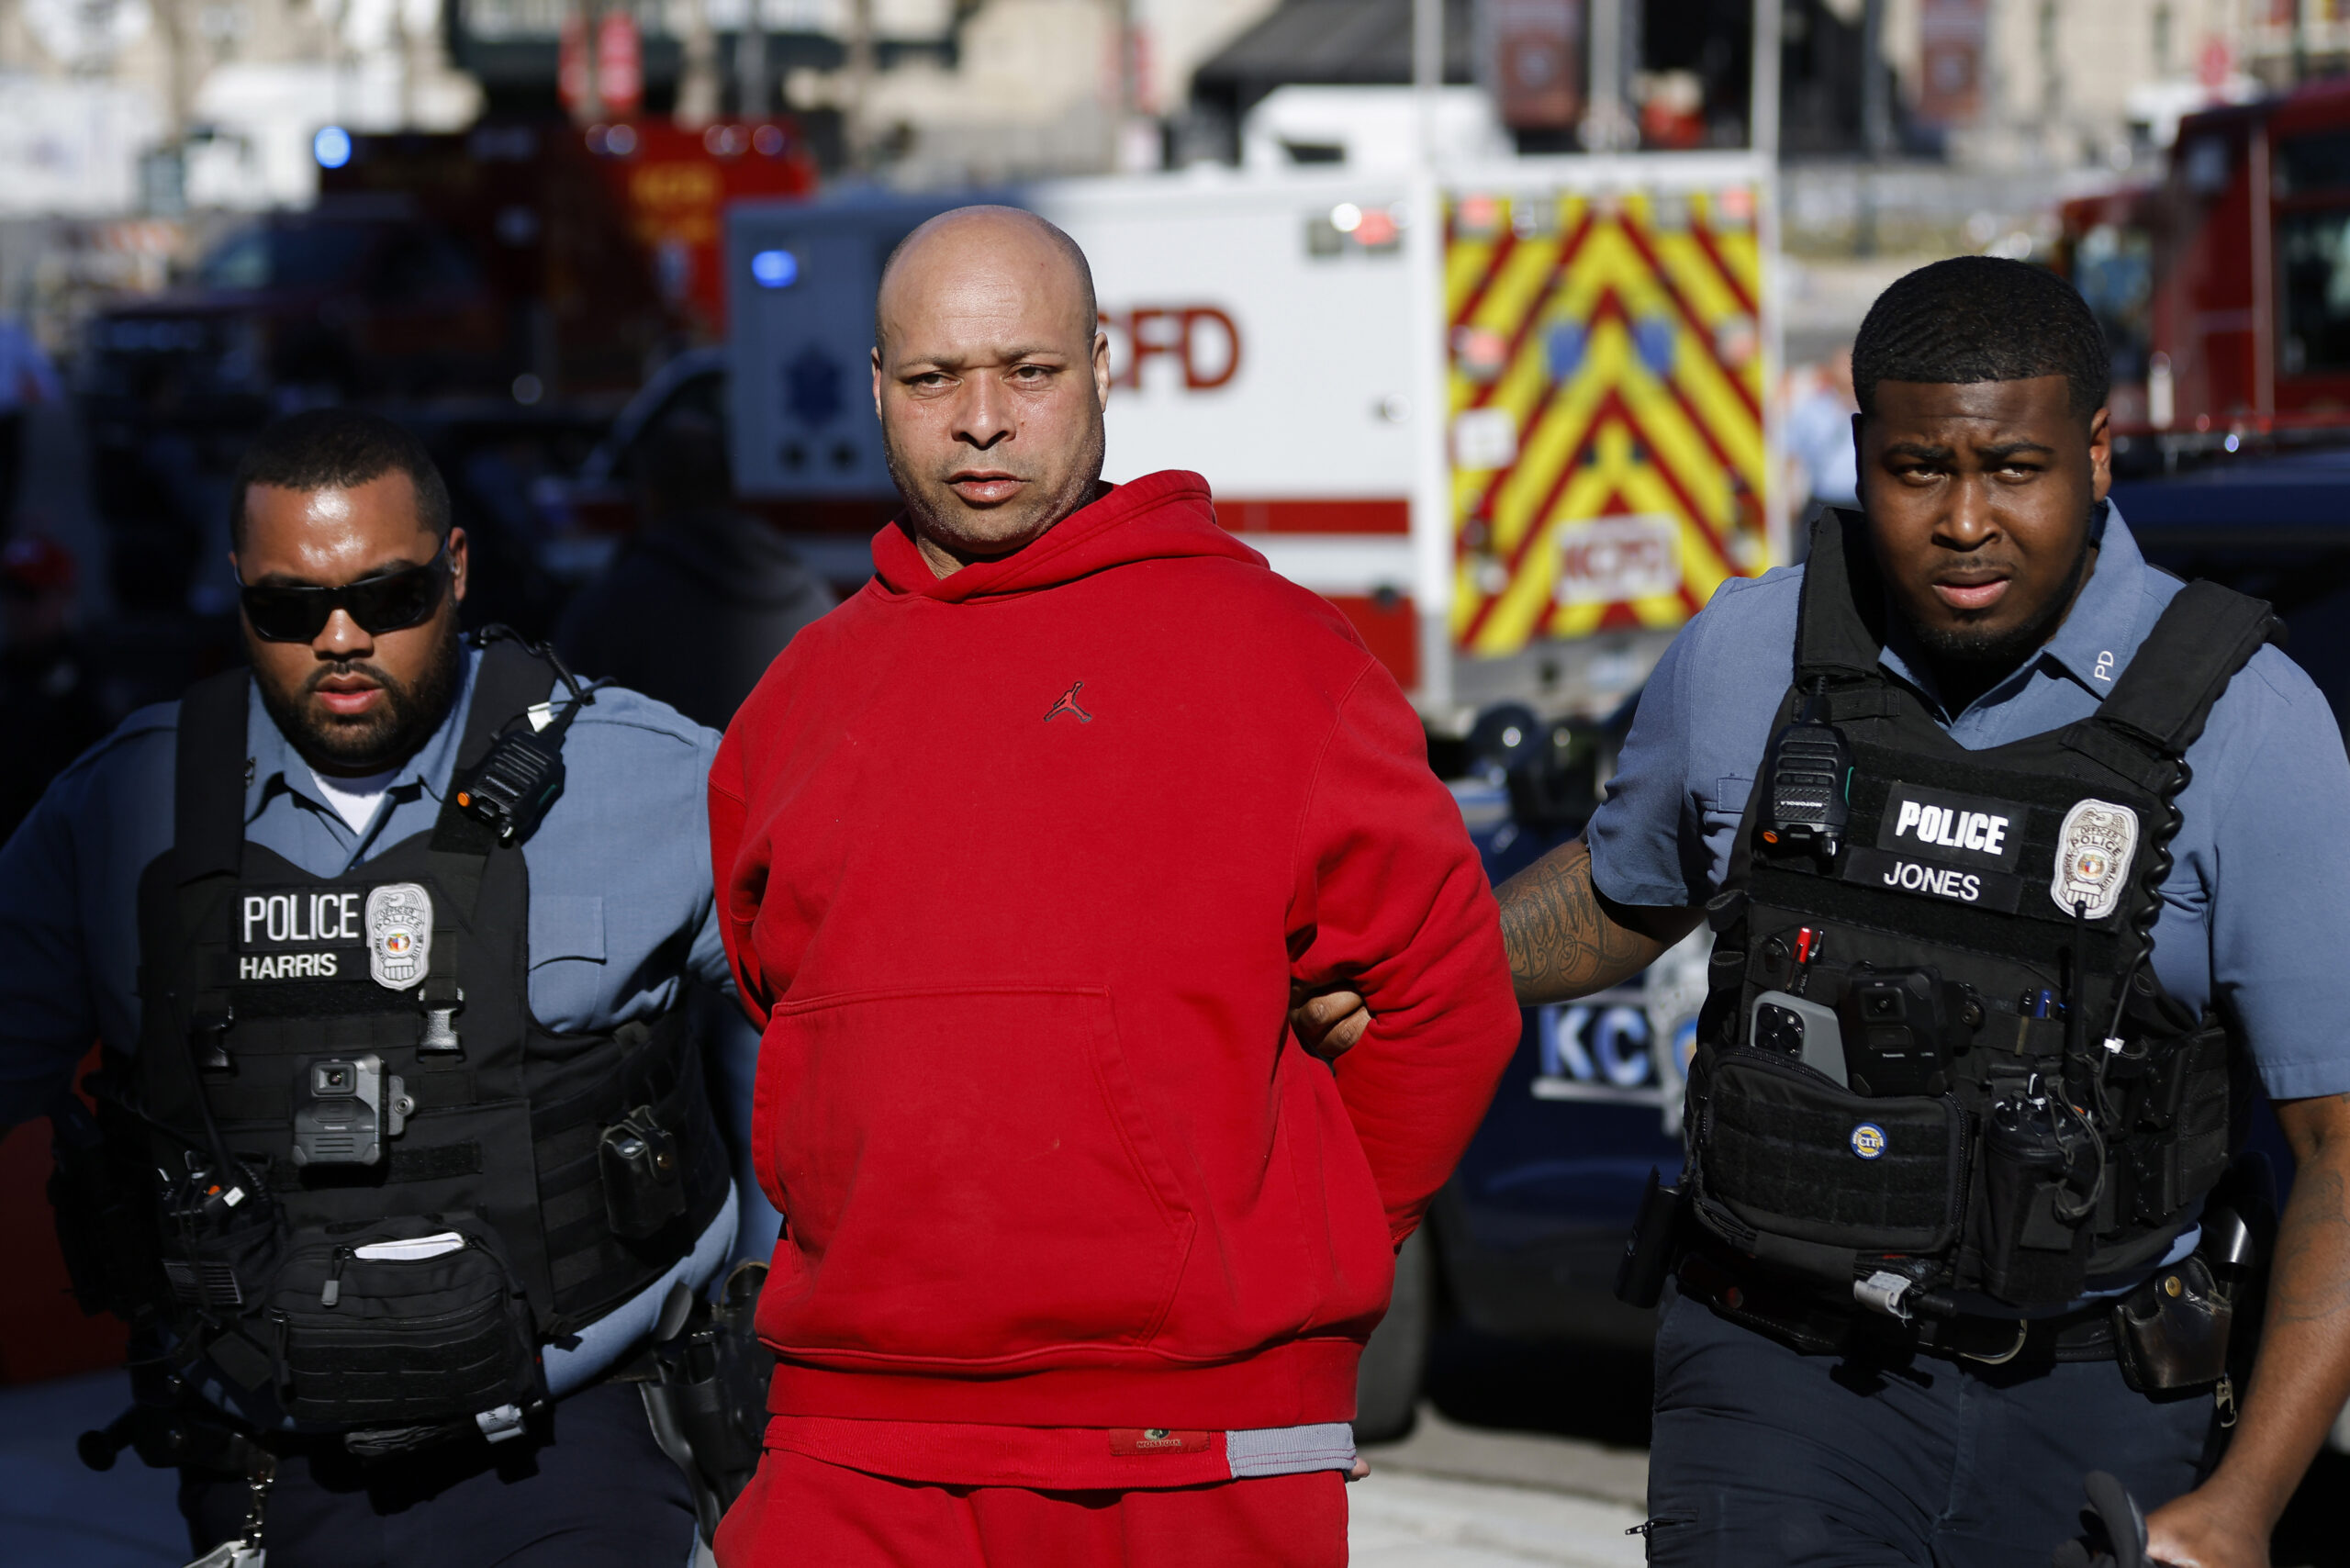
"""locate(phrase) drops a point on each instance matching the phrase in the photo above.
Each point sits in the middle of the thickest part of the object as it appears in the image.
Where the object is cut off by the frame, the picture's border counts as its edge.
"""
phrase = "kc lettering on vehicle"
(1964, 830)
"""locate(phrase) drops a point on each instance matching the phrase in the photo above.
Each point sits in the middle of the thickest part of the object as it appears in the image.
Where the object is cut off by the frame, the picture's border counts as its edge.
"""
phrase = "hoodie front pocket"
(969, 1176)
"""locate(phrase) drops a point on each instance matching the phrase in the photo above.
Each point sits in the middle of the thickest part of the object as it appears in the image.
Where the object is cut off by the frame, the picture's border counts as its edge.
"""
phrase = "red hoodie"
(1018, 867)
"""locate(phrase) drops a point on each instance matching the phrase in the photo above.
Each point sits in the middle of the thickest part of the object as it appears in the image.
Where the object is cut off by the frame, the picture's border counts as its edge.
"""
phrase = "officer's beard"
(384, 737)
(1970, 658)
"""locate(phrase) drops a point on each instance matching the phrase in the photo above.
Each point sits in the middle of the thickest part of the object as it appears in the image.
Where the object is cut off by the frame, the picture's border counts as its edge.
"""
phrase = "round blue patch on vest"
(1868, 1141)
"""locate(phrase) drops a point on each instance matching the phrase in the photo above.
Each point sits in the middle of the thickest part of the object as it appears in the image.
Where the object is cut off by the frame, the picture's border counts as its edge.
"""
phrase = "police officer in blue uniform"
(2021, 859)
(400, 1145)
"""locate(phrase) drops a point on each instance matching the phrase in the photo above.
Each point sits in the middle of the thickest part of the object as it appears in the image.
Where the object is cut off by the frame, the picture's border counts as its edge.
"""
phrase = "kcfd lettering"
(1911, 877)
(1978, 831)
(303, 917)
(288, 966)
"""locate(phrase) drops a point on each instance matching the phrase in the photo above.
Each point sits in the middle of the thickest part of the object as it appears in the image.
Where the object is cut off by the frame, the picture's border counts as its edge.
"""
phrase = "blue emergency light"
(331, 147)
(774, 269)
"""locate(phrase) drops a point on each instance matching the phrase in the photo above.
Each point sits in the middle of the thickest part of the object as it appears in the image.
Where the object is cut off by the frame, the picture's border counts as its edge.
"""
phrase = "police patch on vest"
(1967, 830)
(400, 934)
(1868, 1141)
(299, 933)
(2094, 849)
(1899, 873)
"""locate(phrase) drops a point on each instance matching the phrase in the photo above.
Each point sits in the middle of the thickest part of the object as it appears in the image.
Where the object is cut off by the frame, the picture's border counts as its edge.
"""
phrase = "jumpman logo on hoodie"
(1068, 704)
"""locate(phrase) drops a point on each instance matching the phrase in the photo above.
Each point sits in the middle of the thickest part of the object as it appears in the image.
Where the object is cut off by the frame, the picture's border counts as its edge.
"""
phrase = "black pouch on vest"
(2171, 1333)
(1787, 1152)
(412, 1319)
(105, 1226)
(2028, 1253)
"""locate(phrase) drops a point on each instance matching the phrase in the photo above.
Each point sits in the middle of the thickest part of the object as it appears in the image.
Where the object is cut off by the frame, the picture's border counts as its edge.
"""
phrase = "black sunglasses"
(392, 603)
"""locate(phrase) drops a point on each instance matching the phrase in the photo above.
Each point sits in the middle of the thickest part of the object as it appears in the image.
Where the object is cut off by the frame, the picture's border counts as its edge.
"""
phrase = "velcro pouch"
(410, 1319)
(2180, 1143)
(1789, 1152)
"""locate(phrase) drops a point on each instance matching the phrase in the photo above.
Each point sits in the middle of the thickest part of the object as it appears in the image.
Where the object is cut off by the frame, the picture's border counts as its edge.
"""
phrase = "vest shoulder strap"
(208, 776)
(1839, 629)
(2205, 635)
(508, 680)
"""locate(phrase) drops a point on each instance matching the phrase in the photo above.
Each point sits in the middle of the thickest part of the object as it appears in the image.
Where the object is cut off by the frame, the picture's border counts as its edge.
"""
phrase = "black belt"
(1787, 1312)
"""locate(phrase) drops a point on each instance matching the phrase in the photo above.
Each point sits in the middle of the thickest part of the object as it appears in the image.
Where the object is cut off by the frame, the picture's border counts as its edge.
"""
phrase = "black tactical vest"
(1933, 1058)
(381, 1186)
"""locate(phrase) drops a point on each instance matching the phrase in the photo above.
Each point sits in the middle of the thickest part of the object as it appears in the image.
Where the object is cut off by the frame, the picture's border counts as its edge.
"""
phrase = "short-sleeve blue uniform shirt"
(2259, 898)
(621, 904)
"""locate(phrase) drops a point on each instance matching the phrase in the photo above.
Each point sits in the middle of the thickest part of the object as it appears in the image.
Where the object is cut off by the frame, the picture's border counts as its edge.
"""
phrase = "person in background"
(701, 599)
(691, 611)
(1820, 437)
(27, 377)
(49, 706)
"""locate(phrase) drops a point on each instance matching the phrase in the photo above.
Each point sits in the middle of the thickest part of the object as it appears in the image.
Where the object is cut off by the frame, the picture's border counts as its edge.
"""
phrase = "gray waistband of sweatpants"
(1290, 1450)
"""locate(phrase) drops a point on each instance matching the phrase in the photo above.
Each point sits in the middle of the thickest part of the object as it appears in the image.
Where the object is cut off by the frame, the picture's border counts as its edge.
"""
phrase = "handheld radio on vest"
(1805, 785)
(512, 786)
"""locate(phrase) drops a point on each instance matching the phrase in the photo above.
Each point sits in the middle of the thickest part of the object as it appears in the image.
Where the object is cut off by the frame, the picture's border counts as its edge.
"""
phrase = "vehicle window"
(306, 256)
(2320, 163)
(317, 253)
(2114, 270)
(421, 264)
(241, 261)
(2313, 254)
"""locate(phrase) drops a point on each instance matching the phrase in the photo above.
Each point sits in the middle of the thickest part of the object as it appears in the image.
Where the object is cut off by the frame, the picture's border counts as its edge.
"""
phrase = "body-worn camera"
(1901, 1028)
(644, 1185)
(344, 1107)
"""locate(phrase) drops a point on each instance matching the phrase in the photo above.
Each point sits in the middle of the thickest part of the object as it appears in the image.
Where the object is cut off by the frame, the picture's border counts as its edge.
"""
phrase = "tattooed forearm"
(2302, 1373)
(2311, 1281)
(1566, 940)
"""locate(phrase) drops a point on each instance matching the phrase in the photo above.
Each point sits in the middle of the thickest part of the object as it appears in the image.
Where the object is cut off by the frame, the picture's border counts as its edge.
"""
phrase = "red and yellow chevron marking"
(1614, 342)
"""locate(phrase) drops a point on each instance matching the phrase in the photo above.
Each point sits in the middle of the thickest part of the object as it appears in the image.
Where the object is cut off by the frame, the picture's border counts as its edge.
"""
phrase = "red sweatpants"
(802, 1513)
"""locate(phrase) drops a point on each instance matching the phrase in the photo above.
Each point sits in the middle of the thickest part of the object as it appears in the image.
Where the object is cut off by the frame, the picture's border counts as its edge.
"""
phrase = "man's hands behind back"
(1327, 1023)
(1566, 939)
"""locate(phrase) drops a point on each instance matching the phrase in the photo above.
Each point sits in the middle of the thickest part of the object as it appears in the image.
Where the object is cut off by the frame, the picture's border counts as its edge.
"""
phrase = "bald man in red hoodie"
(1023, 852)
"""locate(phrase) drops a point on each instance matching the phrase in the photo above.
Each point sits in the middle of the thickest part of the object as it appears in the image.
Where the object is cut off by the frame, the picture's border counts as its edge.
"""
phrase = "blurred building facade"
(2074, 82)
(933, 92)
(229, 93)
(937, 92)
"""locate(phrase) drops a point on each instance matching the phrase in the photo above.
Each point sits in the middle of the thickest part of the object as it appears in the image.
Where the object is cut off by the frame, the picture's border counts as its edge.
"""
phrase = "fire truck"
(502, 290)
(2224, 287)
